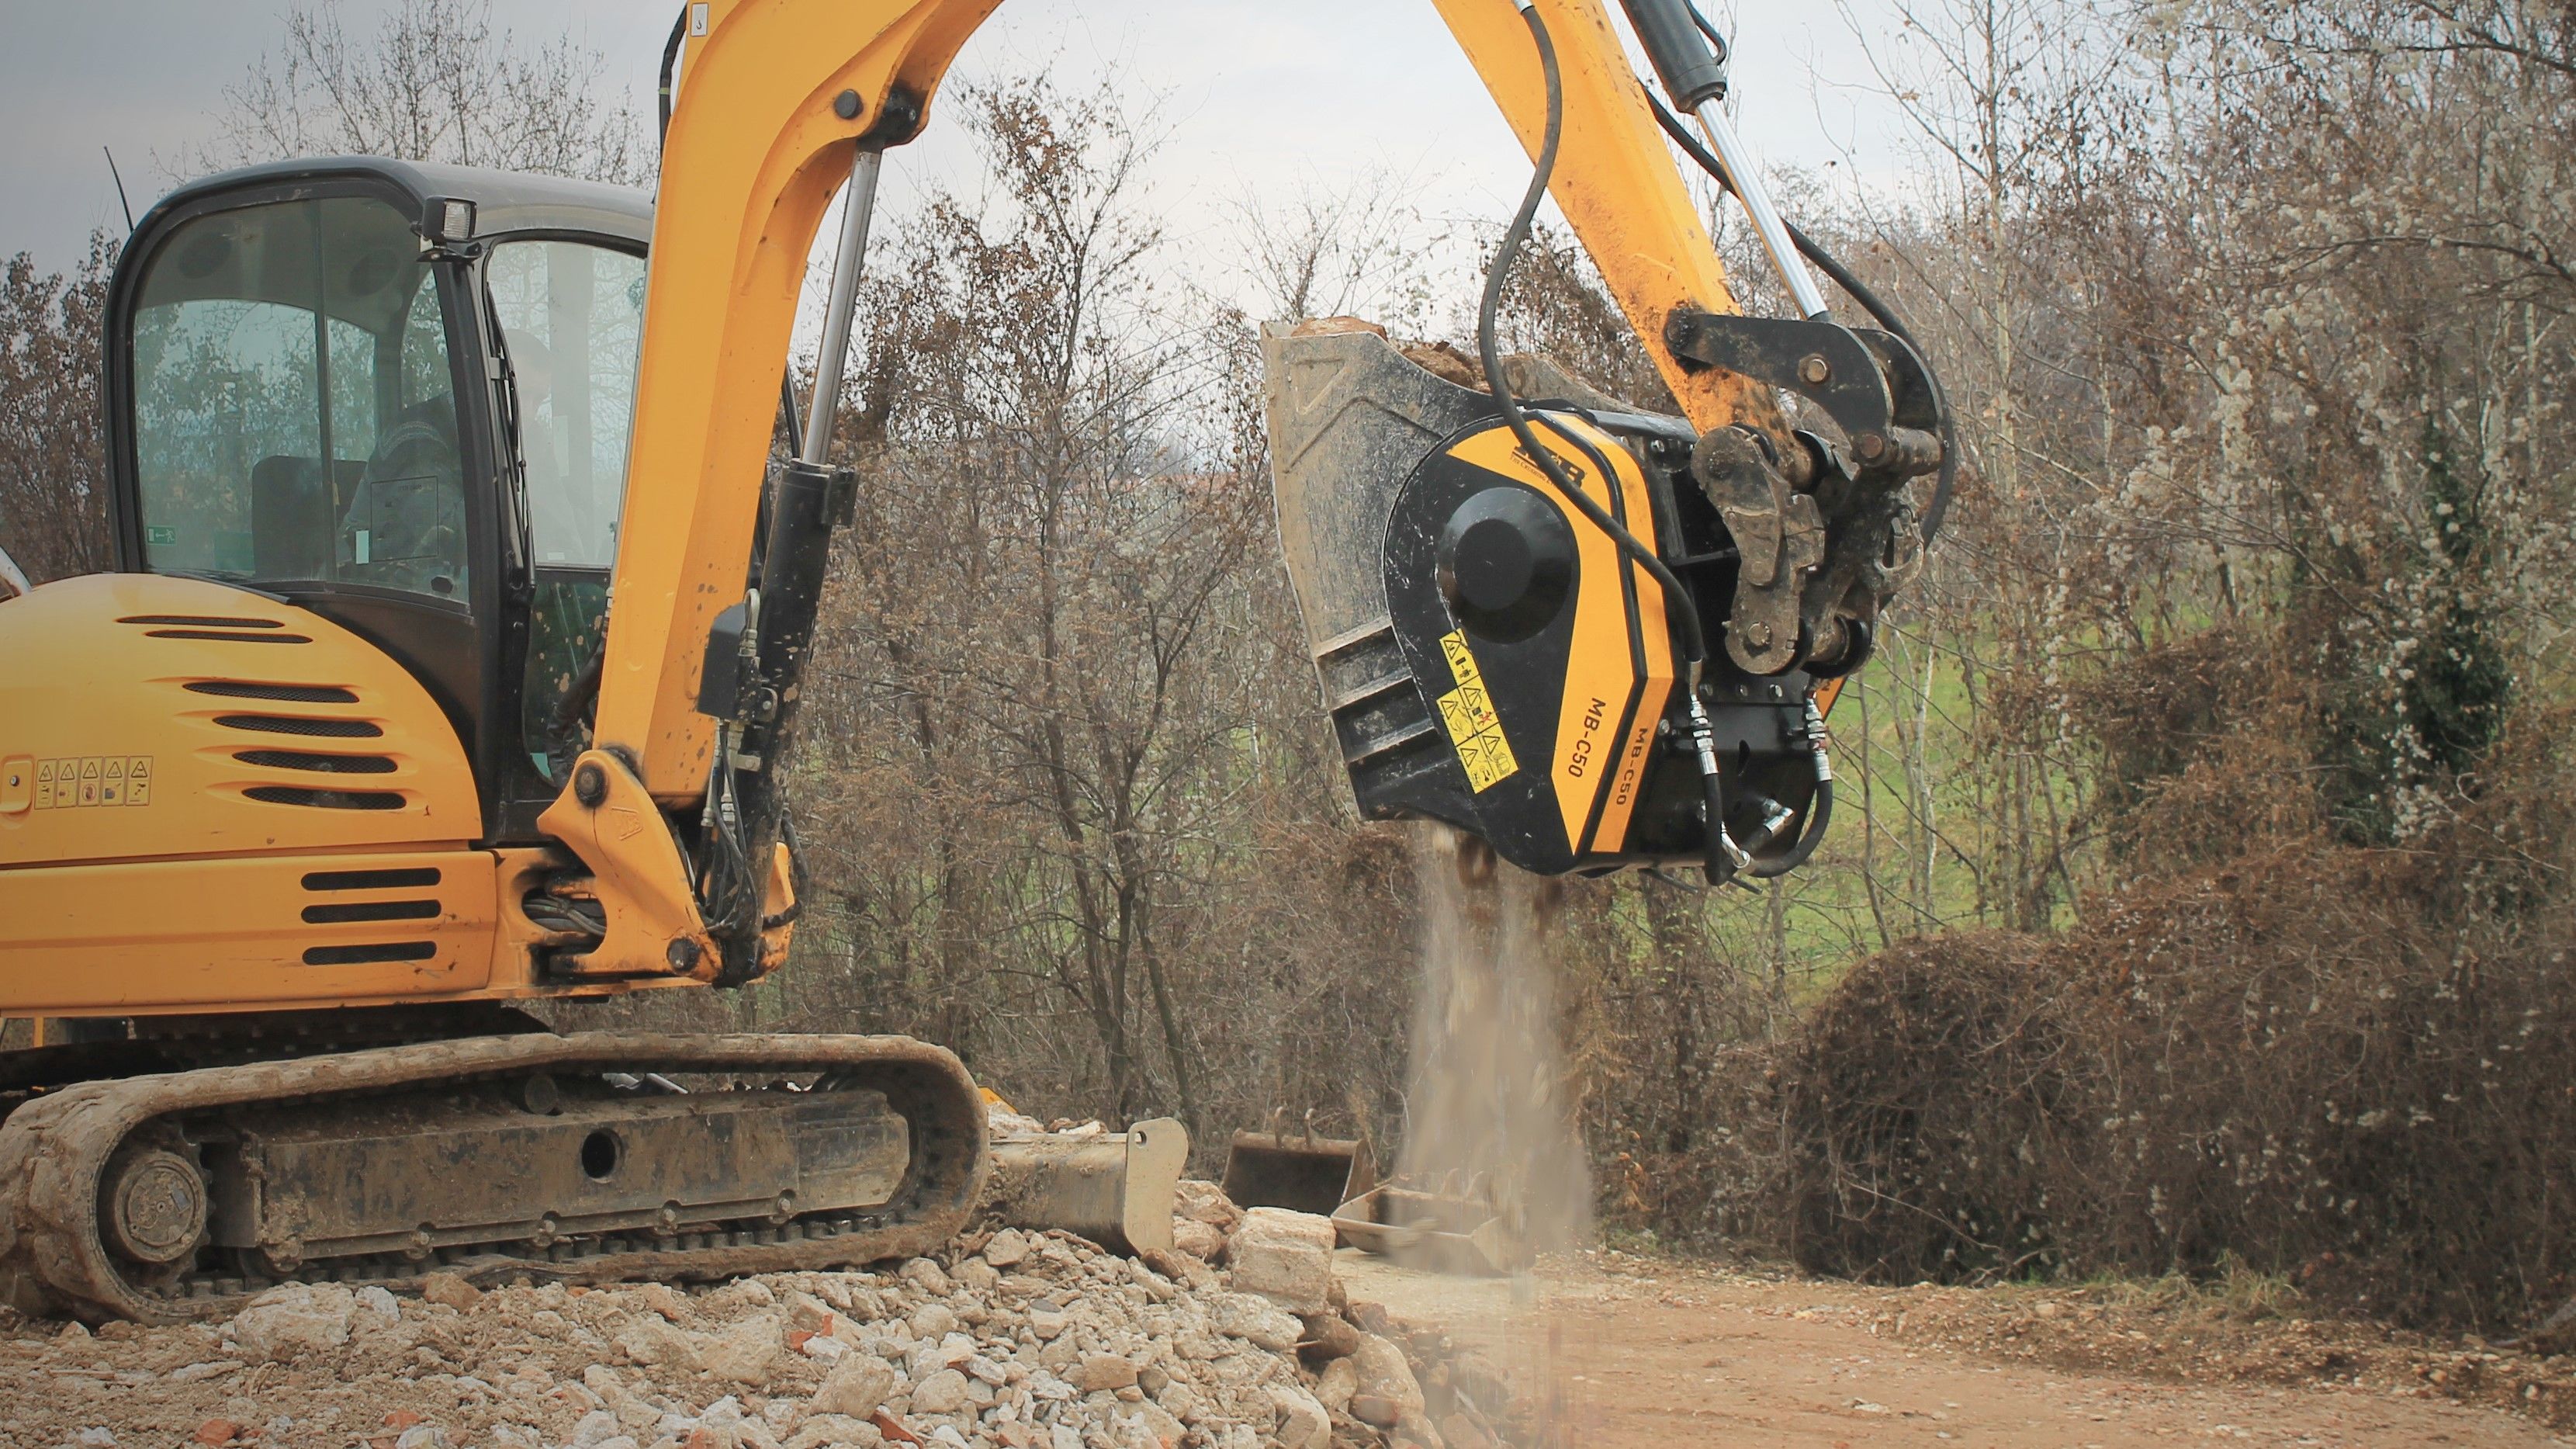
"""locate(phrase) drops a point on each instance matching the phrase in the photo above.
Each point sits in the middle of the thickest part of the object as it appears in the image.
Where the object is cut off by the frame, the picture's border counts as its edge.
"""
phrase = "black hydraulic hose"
(1714, 39)
(1719, 859)
(1723, 857)
(1879, 311)
(670, 64)
(1677, 600)
(1820, 808)
(1820, 813)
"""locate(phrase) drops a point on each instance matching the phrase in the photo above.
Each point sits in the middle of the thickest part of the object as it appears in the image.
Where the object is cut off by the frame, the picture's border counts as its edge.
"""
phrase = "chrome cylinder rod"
(1746, 183)
(859, 203)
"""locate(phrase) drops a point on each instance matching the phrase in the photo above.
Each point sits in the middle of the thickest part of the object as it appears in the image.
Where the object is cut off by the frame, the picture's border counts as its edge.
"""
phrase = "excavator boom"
(782, 106)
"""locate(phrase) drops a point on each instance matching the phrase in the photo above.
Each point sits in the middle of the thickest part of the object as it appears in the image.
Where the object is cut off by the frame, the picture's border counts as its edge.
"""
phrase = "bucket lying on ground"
(1114, 1188)
(1298, 1171)
(1445, 1232)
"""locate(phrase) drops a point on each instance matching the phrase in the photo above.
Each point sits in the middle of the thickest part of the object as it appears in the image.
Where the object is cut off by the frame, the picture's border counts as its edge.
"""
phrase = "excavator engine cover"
(1490, 657)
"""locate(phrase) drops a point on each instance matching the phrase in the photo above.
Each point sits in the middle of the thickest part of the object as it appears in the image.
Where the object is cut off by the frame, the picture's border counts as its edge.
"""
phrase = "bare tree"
(1362, 249)
(1073, 770)
(53, 470)
(435, 83)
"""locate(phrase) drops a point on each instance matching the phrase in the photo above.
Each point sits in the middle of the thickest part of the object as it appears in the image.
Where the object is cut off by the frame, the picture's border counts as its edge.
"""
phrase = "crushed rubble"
(1010, 1338)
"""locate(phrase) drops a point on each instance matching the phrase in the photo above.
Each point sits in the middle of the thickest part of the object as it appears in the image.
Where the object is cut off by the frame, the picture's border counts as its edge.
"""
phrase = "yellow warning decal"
(1468, 711)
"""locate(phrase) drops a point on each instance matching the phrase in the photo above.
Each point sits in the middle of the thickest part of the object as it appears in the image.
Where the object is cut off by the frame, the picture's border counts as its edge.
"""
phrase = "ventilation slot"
(279, 724)
(221, 634)
(406, 878)
(369, 955)
(326, 799)
(341, 912)
(325, 764)
(297, 693)
(202, 621)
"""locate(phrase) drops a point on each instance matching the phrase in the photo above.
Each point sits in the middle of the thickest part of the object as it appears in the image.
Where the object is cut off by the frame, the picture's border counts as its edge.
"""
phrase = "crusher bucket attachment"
(1298, 1171)
(1493, 659)
(1114, 1188)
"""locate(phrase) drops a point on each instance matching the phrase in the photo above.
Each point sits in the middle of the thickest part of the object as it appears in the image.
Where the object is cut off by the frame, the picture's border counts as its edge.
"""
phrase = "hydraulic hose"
(1677, 599)
(1724, 857)
(1820, 809)
(1886, 316)
(1820, 813)
(670, 65)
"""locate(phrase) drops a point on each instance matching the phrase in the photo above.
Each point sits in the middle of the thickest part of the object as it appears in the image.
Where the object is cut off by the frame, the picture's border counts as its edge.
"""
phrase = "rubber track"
(53, 1149)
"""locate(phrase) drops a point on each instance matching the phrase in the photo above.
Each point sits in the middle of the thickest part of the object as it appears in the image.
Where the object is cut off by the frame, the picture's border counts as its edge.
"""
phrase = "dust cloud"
(1487, 1112)
(1487, 1115)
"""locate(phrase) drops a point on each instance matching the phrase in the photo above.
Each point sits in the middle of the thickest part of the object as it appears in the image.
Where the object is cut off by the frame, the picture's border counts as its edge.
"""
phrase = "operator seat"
(405, 527)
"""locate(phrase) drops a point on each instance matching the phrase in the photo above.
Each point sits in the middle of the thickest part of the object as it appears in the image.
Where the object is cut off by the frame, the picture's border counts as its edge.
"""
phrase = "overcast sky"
(1259, 97)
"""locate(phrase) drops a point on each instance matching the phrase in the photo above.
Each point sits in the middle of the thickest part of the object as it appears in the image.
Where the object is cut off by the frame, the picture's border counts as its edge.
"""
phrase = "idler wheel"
(153, 1205)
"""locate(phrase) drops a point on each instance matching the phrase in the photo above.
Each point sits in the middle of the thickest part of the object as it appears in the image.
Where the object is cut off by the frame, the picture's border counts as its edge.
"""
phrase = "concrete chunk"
(1286, 1257)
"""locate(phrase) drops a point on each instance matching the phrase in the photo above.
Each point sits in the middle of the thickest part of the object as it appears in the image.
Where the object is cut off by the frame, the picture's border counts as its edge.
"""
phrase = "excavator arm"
(785, 103)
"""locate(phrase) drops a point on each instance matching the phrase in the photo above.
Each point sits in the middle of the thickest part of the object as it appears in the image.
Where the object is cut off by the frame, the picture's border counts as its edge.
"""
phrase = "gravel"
(1026, 1340)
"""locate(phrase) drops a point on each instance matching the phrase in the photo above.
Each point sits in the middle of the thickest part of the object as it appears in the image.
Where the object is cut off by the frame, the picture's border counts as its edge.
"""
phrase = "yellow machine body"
(240, 804)
(747, 179)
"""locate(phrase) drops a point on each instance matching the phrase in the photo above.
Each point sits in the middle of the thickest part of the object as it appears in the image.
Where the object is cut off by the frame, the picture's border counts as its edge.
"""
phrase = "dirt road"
(1669, 1355)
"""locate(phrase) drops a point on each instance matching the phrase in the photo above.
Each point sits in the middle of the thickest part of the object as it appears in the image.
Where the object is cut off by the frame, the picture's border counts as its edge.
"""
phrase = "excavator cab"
(397, 395)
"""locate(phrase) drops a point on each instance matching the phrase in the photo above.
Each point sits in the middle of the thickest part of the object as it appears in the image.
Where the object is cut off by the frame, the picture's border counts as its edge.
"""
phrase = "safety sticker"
(1468, 711)
(93, 780)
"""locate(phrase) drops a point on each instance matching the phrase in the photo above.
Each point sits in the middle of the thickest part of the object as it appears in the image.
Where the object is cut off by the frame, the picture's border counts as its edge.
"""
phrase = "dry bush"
(1664, 1038)
(1892, 1169)
(2343, 1065)
(2201, 747)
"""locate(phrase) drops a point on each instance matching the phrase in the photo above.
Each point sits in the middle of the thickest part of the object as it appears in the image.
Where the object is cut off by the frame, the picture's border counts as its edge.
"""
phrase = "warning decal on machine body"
(1468, 711)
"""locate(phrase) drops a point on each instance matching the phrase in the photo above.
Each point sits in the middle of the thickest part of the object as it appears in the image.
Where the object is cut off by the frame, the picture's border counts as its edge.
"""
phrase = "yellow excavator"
(453, 651)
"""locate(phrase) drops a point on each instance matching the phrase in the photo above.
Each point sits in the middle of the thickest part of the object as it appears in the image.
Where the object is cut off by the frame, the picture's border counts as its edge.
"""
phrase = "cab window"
(295, 418)
(571, 317)
(572, 324)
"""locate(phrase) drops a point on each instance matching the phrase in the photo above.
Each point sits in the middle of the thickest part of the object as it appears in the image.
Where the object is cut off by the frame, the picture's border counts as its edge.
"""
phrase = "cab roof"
(504, 201)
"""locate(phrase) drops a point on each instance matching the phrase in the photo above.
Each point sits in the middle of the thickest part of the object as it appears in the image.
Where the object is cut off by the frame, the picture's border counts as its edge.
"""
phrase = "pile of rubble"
(1027, 1340)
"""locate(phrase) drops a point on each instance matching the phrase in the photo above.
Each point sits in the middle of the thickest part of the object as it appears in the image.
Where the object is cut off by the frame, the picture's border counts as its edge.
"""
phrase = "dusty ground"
(1015, 1349)
(1652, 1352)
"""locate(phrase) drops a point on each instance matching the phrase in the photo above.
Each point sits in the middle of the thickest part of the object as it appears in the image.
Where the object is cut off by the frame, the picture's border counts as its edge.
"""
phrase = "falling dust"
(1488, 1115)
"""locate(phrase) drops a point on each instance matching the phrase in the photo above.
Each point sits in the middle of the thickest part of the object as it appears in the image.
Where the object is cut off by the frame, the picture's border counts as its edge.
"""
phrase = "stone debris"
(1016, 1339)
(450, 1290)
(1286, 1257)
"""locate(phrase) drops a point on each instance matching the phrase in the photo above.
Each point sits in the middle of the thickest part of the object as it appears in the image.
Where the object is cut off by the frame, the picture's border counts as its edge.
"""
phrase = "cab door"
(566, 317)
(285, 394)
